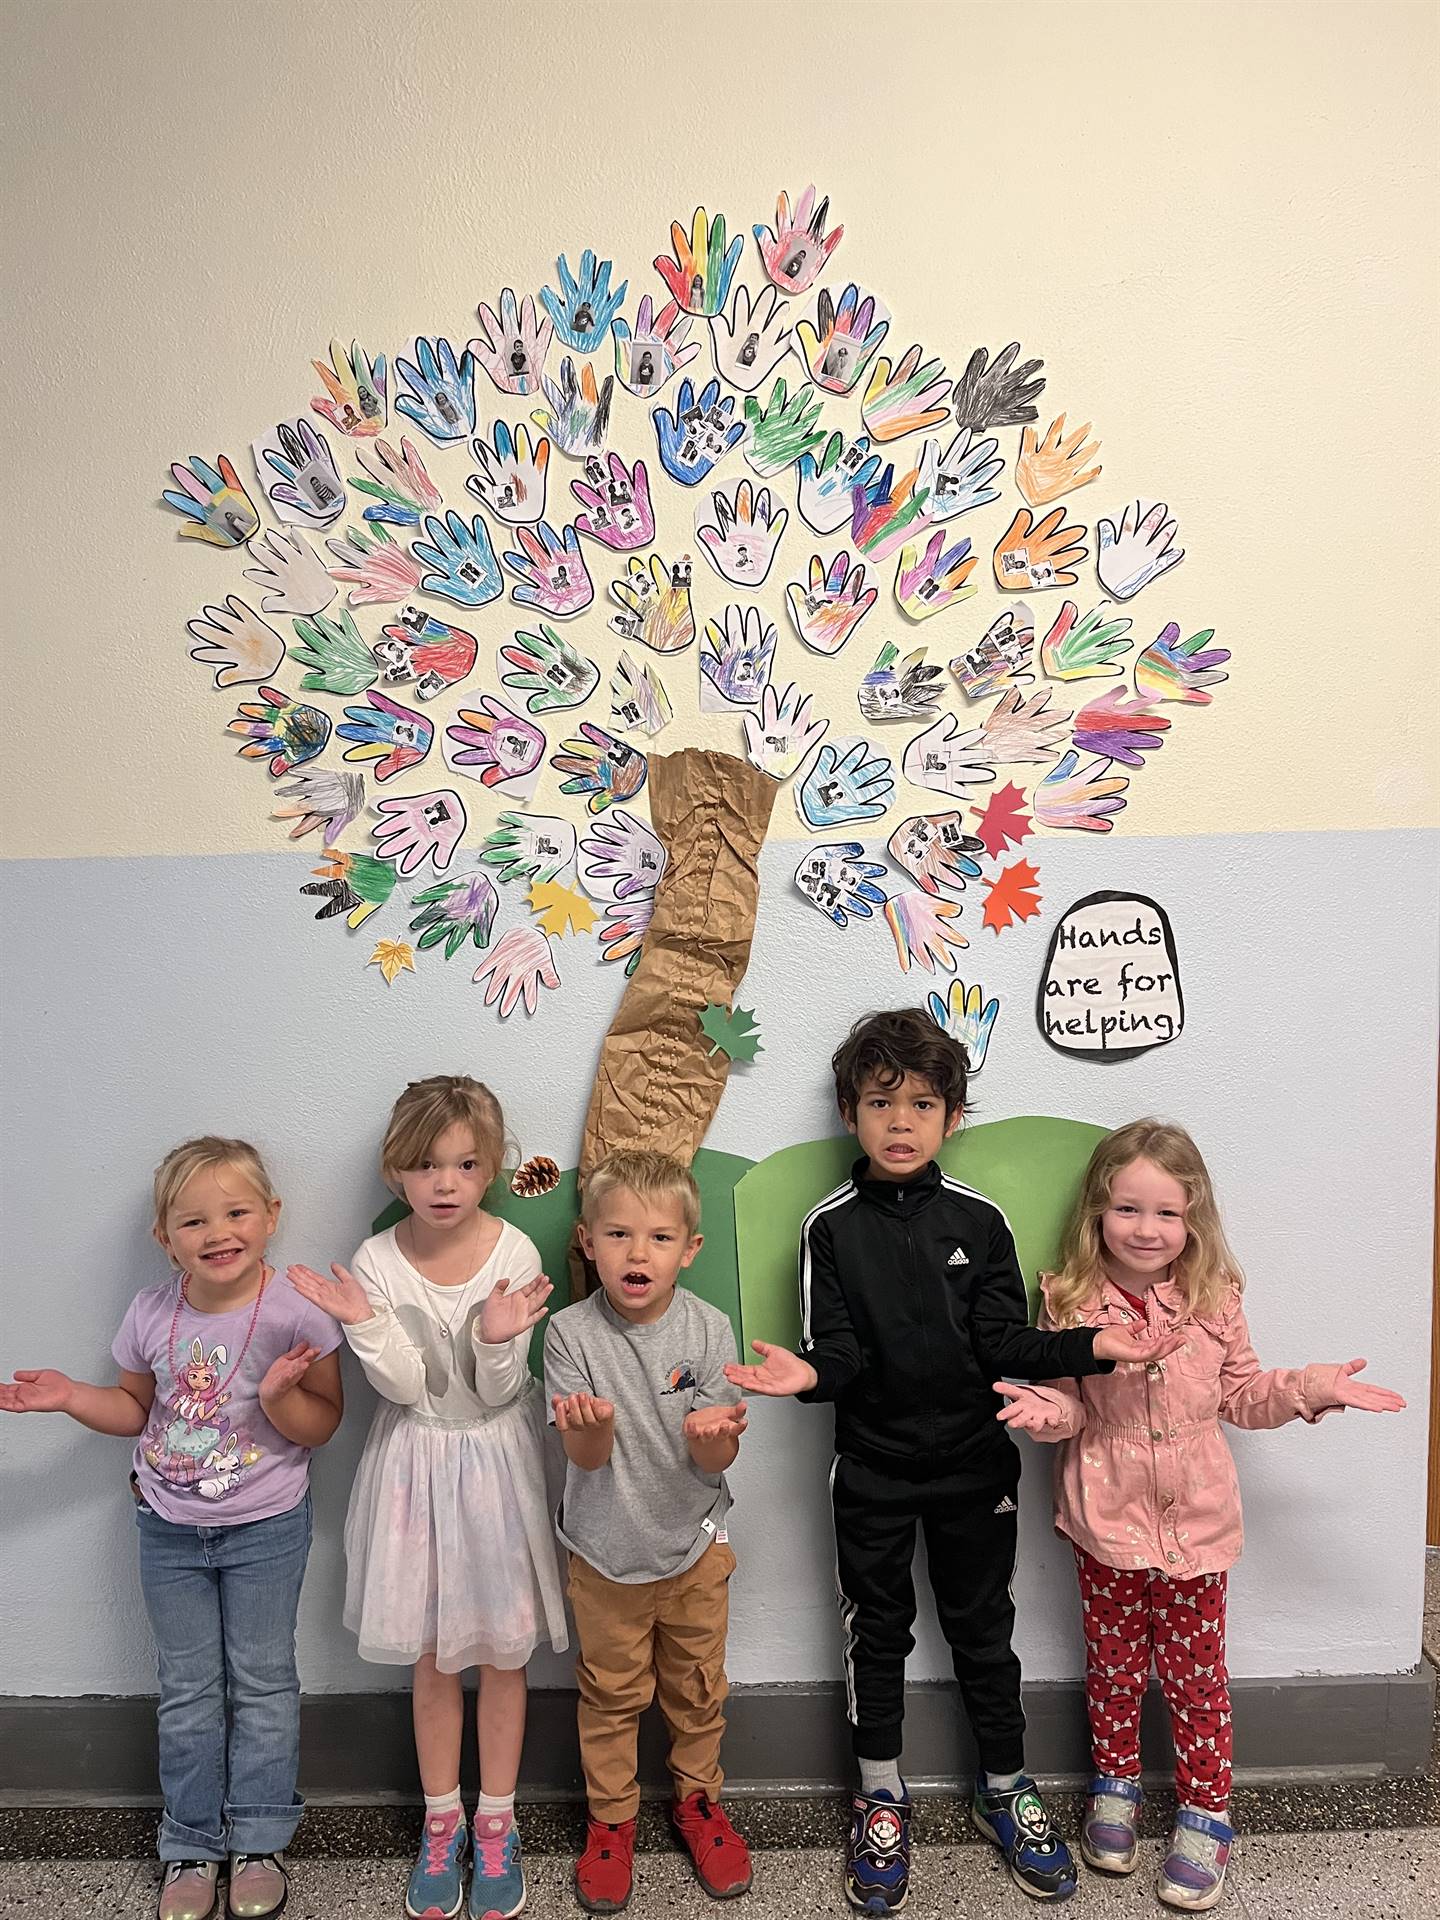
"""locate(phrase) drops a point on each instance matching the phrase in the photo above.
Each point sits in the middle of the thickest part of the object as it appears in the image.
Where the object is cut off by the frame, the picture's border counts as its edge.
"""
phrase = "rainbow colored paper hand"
(926, 583)
(601, 767)
(548, 670)
(1001, 657)
(529, 846)
(626, 924)
(1055, 465)
(645, 360)
(1087, 651)
(1174, 669)
(237, 643)
(962, 478)
(1121, 728)
(398, 482)
(303, 483)
(1017, 730)
(323, 799)
(283, 731)
(354, 401)
(935, 849)
(497, 741)
(512, 344)
(996, 393)
(656, 599)
(551, 571)
(924, 932)
(781, 431)
(841, 788)
(213, 500)
(909, 399)
(699, 276)
(617, 505)
(827, 489)
(624, 858)
(1138, 551)
(461, 561)
(292, 573)
(748, 342)
(393, 736)
(967, 1016)
(883, 511)
(415, 827)
(577, 411)
(379, 572)
(441, 396)
(585, 306)
(638, 700)
(779, 739)
(1086, 798)
(335, 656)
(896, 689)
(839, 343)
(827, 612)
(1035, 554)
(353, 884)
(457, 911)
(735, 656)
(421, 648)
(796, 250)
(839, 881)
(948, 760)
(511, 477)
(698, 434)
(741, 539)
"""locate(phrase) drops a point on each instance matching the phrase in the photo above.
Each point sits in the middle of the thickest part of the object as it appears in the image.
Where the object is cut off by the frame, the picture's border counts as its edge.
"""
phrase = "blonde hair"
(1205, 1270)
(182, 1163)
(427, 1108)
(649, 1176)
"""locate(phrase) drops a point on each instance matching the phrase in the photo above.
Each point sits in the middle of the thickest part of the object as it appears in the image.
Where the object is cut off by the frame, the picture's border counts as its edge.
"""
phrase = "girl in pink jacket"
(1145, 1487)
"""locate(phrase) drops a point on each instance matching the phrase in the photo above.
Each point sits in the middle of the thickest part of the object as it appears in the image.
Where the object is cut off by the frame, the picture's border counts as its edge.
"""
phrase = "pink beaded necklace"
(184, 1301)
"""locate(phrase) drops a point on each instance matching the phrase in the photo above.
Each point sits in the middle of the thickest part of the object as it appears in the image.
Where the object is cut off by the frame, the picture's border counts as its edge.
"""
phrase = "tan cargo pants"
(659, 1638)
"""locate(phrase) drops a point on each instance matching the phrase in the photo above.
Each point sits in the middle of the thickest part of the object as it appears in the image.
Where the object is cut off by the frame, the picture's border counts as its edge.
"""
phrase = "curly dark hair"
(886, 1046)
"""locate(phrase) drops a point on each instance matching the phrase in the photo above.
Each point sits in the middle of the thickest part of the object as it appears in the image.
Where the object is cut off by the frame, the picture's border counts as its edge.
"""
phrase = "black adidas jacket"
(911, 1307)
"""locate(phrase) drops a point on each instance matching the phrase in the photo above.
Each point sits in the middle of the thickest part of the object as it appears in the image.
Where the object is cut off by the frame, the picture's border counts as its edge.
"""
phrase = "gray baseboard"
(781, 1739)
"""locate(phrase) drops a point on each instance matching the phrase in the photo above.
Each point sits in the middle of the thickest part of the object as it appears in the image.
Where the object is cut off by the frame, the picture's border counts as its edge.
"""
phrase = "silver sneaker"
(1109, 1840)
(259, 1886)
(1192, 1874)
(190, 1890)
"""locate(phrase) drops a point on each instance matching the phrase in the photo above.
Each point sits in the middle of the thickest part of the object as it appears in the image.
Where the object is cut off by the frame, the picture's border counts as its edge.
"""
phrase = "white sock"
(881, 1776)
(494, 1806)
(1002, 1782)
(443, 1802)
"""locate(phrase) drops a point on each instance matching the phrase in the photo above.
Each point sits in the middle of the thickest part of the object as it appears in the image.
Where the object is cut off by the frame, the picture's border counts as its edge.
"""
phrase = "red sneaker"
(721, 1857)
(604, 1873)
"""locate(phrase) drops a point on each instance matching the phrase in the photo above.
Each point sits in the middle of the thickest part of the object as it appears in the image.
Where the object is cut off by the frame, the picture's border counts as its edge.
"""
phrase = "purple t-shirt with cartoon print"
(208, 1456)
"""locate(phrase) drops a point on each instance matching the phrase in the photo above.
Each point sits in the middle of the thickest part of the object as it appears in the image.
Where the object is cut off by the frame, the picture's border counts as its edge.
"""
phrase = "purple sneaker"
(1193, 1873)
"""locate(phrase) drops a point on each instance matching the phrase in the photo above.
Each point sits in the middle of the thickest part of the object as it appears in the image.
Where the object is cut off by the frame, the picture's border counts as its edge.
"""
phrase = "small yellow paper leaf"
(561, 909)
(392, 957)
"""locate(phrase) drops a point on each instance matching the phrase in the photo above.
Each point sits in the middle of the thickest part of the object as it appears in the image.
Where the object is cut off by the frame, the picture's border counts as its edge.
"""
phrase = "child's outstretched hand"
(576, 1411)
(1025, 1410)
(36, 1390)
(780, 1372)
(505, 1315)
(716, 1423)
(343, 1298)
(1349, 1392)
(1117, 1343)
(286, 1372)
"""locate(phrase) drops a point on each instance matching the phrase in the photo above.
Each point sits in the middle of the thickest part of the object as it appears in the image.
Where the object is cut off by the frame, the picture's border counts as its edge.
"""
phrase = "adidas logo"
(1007, 1505)
(959, 1258)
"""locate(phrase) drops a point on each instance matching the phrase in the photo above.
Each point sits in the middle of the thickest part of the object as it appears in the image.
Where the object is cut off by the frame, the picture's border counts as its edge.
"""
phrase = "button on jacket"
(911, 1307)
(1144, 1476)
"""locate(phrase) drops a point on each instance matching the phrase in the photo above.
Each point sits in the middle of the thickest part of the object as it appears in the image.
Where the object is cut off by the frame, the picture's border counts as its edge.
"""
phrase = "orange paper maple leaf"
(1003, 820)
(560, 909)
(1011, 896)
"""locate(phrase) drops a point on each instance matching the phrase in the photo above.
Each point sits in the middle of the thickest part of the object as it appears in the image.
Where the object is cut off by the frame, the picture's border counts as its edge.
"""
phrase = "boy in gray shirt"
(635, 1375)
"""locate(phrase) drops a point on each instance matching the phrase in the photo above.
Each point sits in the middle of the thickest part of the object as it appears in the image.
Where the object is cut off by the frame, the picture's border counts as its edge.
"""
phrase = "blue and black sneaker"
(877, 1855)
(1017, 1820)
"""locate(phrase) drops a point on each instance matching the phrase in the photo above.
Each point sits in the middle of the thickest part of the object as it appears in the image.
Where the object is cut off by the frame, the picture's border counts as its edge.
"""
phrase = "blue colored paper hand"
(827, 487)
(961, 478)
(839, 881)
(462, 562)
(441, 400)
(551, 570)
(585, 306)
(845, 787)
(698, 434)
(967, 1016)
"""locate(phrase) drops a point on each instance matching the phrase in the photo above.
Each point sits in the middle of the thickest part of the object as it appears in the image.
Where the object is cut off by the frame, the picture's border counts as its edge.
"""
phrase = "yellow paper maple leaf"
(392, 957)
(561, 909)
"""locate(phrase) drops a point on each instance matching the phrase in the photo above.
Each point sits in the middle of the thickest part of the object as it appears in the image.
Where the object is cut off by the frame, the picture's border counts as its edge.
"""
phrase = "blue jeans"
(222, 1603)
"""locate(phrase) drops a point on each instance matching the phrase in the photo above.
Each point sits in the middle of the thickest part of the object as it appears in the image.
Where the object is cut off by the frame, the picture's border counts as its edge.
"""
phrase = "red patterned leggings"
(1128, 1615)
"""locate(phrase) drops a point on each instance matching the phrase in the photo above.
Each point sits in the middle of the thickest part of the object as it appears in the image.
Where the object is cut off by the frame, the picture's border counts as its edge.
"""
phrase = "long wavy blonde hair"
(1205, 1270)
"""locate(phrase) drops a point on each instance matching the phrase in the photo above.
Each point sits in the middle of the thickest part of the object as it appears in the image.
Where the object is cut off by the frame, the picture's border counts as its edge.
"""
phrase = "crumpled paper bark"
(657, 1085)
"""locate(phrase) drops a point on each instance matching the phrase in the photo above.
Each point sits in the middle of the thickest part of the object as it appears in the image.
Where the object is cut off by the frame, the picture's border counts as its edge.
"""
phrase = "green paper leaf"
(735, 1034)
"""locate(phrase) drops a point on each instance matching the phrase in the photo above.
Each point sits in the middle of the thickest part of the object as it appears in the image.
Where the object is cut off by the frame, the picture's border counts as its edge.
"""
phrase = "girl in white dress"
(449, 1546)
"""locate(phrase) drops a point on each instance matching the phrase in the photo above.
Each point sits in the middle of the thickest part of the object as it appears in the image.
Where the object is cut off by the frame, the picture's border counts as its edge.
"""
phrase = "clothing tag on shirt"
(707, 1525)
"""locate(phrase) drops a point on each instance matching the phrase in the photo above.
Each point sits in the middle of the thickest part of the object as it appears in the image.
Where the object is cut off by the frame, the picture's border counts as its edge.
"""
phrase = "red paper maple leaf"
(1011, 896)
(1003, 820)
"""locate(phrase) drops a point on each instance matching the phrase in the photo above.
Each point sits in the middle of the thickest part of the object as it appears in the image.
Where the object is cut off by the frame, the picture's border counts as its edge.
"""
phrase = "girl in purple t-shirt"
(227, 1379)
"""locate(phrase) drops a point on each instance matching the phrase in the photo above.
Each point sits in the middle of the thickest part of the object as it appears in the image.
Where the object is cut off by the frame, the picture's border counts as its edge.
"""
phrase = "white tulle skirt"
(449, 1545)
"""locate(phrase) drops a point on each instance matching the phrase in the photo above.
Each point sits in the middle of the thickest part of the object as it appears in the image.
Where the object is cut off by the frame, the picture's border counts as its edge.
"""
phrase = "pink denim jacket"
(1144, 1476)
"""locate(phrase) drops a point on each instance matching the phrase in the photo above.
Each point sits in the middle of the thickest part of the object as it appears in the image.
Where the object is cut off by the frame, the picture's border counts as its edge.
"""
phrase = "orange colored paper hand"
(1050, 467)
(1034, 554)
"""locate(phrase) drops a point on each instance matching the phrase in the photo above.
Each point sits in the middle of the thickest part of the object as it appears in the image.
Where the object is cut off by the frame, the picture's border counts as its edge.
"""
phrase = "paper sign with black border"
(1122, 1051)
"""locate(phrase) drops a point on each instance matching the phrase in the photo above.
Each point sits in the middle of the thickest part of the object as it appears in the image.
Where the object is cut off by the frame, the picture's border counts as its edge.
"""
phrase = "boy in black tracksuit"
(912, 1306)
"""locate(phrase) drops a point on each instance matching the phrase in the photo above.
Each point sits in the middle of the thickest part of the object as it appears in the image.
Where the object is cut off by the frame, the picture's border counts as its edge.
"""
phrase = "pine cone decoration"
(538, 1175)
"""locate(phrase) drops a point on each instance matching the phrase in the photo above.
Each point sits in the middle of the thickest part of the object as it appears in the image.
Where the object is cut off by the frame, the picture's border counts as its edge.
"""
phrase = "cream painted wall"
(1209, 220)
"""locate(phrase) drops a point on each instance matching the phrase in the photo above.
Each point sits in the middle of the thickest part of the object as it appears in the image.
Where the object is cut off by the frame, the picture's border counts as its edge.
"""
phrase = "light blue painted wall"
(142, 1005)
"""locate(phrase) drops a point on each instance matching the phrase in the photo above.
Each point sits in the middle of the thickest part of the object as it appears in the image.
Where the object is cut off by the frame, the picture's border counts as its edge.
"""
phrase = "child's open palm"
(343, 1298)
(780, 1372)
(576, 1411)
(36, 1390)
(1349, 1392)
(506, 1315)
(716, 1423)
(1026, 1411)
